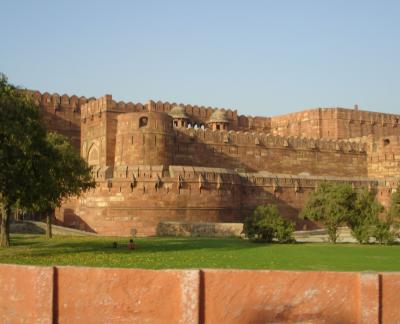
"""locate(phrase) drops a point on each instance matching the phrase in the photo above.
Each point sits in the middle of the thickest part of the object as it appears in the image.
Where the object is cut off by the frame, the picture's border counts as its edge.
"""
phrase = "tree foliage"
(332, 204)
(22, 138)
(394, 209)
(265, 224)
(339, 204)
(66, 174)
(365, 216)
(37, 171)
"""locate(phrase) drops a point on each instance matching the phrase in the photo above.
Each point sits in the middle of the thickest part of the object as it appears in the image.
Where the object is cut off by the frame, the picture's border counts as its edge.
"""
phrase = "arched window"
(143, 121)
(93, 155)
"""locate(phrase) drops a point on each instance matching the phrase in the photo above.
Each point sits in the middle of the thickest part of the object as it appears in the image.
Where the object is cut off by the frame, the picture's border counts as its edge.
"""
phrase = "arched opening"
(143, 121)
(386, 142)
(93, 156)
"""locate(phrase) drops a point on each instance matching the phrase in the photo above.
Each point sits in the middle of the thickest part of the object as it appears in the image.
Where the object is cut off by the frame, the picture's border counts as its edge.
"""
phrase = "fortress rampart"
(336, 123)
(141, 196)
(259, 151)
(62, 113)
(158, 161)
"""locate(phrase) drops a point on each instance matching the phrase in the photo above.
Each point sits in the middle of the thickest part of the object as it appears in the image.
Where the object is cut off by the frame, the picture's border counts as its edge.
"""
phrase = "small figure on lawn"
(131, 245)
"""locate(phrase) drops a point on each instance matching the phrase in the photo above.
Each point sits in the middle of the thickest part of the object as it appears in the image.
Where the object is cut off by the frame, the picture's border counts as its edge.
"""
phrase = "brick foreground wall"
(31, 294)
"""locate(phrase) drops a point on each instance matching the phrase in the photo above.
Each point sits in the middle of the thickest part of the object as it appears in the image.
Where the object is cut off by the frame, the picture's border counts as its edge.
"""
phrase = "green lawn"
(161, 253)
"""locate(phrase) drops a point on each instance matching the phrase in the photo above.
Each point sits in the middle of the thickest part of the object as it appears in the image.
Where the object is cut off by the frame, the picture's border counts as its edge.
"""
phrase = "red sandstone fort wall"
(34, 294)
(278, 154)
(336, 123)
(144, 138)
(140, 197)
(384, 157)
(61, 113)
(155, 173)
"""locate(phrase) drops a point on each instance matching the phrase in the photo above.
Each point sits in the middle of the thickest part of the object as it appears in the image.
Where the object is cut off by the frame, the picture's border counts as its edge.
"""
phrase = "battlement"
(177, 177)
(55, 102)
(355, 115)
(336, 123)
(264, 139)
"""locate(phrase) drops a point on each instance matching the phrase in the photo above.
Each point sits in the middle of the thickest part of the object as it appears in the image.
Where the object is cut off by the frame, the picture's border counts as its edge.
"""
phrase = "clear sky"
(259, 57)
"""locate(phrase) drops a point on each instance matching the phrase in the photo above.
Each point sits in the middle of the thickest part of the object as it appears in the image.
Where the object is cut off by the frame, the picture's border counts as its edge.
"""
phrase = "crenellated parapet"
(59, 103)
(61, 113)
(336, 123)
(263, 139)
(106, 103)
(220, 178)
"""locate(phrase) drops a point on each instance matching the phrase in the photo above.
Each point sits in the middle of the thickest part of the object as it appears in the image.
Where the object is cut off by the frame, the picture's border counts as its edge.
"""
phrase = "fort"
(161, 161)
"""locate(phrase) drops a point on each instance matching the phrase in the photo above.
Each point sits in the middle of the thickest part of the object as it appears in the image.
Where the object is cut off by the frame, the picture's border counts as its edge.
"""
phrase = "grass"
(178, 253)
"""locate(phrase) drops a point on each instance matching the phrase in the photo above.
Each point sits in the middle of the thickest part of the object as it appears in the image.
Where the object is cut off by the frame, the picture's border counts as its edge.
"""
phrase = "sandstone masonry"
(173, 162)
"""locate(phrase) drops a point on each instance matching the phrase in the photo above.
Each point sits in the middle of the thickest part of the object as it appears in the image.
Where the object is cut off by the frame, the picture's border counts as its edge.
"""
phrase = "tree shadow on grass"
(144, 246)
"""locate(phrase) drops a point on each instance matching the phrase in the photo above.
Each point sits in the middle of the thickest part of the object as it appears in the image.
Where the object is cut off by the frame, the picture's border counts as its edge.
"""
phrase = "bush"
(364, 217)
(394, 209)
(362, 233)
(331, 203)
(284, 230)
(265, 224)
(384, 233)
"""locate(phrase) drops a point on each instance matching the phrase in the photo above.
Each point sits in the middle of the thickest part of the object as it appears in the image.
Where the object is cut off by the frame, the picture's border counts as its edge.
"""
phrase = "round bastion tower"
(144, 138)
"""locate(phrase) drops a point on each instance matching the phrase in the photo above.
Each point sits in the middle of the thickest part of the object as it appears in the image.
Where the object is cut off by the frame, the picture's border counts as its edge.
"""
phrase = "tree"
(37, 171)
(394, 209)
(385, 229)
(331, 203)
(365, 216)
(22, 138)
(66, 174)
(265, 224)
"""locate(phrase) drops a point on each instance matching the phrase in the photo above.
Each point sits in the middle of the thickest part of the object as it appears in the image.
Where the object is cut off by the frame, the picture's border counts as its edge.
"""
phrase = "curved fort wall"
(144, 138)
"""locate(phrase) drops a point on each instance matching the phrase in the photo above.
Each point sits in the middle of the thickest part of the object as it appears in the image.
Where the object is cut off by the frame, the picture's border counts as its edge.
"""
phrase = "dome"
(178, 112)
(218, 116)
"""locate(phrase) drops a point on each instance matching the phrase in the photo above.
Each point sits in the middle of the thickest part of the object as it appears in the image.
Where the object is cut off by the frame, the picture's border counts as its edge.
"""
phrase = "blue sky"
(259, 57)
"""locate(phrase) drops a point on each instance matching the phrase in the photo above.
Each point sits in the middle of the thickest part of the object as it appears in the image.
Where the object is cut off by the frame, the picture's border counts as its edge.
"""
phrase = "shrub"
(364, 216)
(331, 203)
(265, 224)
(362, 233)
(284, 230)
(384, 233)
